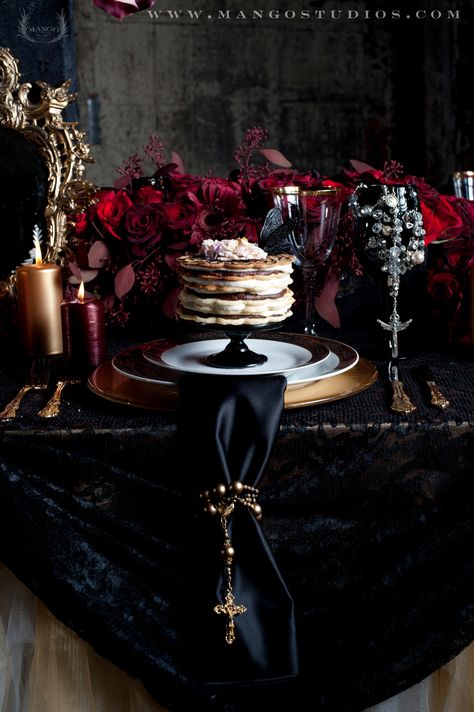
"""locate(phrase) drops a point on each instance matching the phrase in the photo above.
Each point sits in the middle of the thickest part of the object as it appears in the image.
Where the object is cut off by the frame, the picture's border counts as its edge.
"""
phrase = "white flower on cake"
(226, 250)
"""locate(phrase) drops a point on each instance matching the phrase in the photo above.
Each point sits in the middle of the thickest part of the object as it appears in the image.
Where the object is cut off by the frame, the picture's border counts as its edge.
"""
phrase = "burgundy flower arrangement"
(126, 244)
(124, 247)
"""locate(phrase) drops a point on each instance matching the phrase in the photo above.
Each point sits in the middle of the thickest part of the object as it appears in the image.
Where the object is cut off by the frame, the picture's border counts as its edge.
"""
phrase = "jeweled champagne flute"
(315, 217)
(390, 225)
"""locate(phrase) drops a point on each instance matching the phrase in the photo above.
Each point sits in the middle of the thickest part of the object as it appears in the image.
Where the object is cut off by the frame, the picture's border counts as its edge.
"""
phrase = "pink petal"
(124, 281)
(275, 157)
(75, 270)
(98, 254)
(83, 275)
(361, 167)
(122, 182)
(176, 158)
(122, 8)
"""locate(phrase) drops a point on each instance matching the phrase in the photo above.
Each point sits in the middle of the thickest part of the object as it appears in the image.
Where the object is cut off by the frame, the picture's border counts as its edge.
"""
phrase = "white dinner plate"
(132, 362)
(282, 356)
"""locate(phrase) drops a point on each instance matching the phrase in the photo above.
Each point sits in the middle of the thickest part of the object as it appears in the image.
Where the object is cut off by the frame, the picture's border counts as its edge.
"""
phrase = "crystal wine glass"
(463, 182)
(314, 215)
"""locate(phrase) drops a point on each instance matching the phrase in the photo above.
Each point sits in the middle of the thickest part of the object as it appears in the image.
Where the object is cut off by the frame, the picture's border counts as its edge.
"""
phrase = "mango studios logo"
(42, 31)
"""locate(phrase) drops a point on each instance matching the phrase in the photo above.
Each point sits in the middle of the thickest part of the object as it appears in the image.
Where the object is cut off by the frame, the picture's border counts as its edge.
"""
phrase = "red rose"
(81, 223)
(111, 210)
(277, 179)
(307, 181)
(183, 183)
(224, 195)
(147, 195)
(441, 221)
(180, 214)
(144, 226)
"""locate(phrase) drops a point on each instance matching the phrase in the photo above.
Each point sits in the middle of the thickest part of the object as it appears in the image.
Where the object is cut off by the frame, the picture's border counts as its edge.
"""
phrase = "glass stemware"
(314, 217)
(389, 223)
(463, 182)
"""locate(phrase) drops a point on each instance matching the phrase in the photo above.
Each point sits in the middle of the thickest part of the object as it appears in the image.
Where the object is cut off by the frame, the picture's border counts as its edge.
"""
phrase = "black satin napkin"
(227, 426)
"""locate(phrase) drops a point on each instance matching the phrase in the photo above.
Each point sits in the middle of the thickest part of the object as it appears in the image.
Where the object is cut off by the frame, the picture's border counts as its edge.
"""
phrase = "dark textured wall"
(327, 89)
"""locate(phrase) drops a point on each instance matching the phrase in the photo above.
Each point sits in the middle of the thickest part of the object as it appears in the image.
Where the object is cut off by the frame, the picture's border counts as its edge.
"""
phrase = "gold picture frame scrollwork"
(59, 143)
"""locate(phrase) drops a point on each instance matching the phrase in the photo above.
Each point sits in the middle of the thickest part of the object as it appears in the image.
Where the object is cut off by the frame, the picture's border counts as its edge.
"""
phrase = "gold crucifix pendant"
(231, 610)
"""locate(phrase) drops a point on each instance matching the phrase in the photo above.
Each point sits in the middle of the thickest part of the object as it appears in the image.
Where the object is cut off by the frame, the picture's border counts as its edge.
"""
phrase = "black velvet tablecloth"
(370, 517)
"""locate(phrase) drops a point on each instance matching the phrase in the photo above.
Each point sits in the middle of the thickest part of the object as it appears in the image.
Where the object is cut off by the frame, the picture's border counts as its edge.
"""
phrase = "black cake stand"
(236, 353)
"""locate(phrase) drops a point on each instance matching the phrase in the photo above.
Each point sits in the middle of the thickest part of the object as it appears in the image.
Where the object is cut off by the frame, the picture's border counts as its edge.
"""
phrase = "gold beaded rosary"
(221, 501)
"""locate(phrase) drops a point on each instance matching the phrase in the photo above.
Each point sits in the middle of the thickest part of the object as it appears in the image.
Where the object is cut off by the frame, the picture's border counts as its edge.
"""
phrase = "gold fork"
(51, 408)
(37, 380)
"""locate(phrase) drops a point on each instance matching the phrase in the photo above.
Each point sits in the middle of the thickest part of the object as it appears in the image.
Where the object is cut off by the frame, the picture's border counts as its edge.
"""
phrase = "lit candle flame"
(81, 292)
(38, 257)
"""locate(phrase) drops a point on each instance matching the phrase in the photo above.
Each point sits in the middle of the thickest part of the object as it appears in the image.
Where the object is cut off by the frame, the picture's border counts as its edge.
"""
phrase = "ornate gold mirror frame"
(59, 143)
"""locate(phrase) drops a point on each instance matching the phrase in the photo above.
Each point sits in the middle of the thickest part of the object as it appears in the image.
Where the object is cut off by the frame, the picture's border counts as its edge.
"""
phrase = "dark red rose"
(183, 183)
(442, 221)
(147, 195)
(81, 223)
(122, 9)
(307, 181)
(444, 287)
(144, 227)
(111, 210)
(368, 175)
(180, 214)
(277, 179)
(224, 195)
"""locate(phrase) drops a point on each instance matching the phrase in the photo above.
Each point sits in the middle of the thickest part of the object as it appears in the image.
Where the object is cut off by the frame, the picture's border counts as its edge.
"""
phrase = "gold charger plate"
(107, 383)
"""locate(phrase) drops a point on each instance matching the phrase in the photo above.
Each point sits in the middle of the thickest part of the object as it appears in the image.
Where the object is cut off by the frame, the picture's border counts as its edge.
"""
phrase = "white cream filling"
(265, 286)
(241, 306)
(234, 320)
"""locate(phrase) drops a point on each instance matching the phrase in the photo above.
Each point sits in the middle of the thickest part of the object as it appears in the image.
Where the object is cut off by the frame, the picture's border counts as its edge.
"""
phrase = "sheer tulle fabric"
(45, 667)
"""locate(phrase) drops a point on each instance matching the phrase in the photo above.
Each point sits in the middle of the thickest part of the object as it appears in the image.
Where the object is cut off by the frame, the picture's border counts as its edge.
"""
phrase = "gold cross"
(230, 609)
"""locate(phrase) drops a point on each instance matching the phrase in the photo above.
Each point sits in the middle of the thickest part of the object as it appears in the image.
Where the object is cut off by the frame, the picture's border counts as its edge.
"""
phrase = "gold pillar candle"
(40, 293)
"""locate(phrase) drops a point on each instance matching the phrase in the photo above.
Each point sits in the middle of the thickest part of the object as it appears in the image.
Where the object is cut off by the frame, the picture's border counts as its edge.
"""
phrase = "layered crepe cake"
(235, 283)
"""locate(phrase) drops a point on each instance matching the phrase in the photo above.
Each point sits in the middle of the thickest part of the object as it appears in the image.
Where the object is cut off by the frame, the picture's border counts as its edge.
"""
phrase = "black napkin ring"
(221, 500)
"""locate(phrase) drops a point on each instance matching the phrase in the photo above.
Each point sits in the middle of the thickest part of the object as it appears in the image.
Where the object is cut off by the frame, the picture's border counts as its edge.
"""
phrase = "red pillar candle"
(83, 328)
